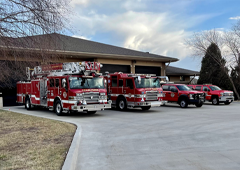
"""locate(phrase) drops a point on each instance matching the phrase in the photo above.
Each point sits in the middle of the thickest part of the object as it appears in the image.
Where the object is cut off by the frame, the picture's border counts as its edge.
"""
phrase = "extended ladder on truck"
(84, 68)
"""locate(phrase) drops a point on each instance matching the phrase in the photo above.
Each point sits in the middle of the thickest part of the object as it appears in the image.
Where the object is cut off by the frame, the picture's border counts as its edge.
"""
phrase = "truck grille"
(227, 94)
(91, 97)
(151, 95)
(198, 96)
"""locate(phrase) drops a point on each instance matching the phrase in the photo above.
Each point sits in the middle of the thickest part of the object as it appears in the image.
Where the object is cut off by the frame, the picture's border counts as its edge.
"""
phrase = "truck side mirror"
(139, 79)
(105, 82)
(64, 83)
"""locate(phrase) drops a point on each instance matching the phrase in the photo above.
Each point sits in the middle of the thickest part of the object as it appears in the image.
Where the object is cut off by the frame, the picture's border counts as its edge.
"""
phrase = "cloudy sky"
(155, 26)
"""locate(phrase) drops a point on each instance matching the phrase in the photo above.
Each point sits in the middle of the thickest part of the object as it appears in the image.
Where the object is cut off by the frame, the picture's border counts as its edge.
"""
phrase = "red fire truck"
(65, 87)
(215, 94)
(134, 90)
(182, 95)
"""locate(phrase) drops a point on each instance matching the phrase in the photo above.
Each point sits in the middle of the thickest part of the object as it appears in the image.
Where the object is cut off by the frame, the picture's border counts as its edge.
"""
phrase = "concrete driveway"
(162, 138)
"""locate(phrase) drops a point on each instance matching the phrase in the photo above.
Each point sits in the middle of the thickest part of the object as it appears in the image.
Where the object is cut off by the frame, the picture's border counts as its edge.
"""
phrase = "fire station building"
(113, 58)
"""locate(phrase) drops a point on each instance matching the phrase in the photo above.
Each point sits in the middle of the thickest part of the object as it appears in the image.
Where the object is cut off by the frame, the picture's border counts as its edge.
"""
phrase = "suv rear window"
(198, 88)
(165, 88)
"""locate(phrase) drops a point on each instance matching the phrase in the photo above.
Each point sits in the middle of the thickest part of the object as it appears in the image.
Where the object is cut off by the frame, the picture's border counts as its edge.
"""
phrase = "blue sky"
(157, 26)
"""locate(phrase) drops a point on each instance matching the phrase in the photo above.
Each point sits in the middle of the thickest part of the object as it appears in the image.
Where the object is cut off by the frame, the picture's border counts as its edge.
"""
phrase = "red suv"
(182, 95)
(215, 94)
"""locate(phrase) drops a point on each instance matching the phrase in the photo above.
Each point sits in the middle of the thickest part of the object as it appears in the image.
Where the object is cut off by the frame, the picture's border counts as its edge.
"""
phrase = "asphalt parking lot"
(163, 138)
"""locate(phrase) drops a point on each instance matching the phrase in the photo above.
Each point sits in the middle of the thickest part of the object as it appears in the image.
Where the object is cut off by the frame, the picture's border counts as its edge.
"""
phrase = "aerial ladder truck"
(64, 88)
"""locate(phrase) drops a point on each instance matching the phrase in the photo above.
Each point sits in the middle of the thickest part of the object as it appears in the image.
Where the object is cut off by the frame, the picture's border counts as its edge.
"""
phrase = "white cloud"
(235, 18)
(130, 25)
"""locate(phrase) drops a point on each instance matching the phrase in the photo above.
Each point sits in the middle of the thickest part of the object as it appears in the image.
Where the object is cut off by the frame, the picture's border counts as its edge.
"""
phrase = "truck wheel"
(121, 104)
(199, 105)
(146, 107)
(91, 112)
(183, 103)
(58, 108)
(215, 101)
(28, 104)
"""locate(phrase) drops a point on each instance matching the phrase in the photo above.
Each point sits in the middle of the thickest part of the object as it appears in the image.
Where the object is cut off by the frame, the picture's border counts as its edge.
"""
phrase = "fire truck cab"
(134, 90)
(65, 87)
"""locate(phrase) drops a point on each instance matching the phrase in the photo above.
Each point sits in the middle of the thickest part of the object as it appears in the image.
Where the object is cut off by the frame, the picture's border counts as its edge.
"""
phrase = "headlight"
(160, 95)
(103, 97)
(102, 94)
(191, 96)
(79, 94)
(221, 94)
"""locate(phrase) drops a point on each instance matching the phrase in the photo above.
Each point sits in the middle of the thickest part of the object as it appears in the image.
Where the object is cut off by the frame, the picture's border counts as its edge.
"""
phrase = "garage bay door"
(111, 68)
(147, 70)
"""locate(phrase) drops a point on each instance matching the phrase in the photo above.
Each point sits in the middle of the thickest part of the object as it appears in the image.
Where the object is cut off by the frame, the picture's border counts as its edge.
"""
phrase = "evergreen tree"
(235, 75)
(211, 72)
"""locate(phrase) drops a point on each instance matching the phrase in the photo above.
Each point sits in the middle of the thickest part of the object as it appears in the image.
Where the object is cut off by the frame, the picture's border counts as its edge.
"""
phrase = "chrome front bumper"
(226, 99)
(92, 107)
(150, 103)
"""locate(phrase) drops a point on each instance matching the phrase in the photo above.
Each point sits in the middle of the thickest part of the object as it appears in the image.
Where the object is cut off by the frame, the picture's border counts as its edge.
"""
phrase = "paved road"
(163, 138)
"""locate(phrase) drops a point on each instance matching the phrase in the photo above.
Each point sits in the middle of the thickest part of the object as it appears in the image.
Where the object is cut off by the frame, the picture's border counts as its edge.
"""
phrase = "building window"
(182, 78)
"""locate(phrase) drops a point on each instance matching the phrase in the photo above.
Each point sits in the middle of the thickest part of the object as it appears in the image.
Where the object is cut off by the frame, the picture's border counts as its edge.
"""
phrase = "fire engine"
(64, 88)
(214, 94)
(182, 95)
(134, 90)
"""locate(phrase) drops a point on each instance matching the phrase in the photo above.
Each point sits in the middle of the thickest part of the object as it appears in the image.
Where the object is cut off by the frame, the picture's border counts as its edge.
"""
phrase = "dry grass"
(33, 143)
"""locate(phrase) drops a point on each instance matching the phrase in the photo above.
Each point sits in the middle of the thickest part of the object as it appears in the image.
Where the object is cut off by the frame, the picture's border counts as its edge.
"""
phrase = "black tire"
(215, 101)
(227, 103)
(58, 108)
(28, 105)
(146, 107)
(199, 104)
(121, 104)
(183, 103)
(91, 112)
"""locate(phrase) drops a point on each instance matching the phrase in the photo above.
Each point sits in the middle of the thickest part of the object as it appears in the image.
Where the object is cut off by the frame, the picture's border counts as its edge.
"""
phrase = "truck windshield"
(183, 88)
(86, 83)
(214, 88)
(148, 83)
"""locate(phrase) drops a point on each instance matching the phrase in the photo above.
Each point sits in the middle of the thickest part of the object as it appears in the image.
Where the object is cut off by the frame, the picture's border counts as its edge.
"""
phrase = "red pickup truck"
(215, 94)
(182, 95)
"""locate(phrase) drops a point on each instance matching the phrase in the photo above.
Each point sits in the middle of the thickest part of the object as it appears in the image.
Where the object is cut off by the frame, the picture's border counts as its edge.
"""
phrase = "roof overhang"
(92, 55)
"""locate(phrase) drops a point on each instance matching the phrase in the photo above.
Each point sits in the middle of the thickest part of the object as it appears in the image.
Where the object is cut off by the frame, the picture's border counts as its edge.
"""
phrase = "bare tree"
(227, 42)
(20, 23)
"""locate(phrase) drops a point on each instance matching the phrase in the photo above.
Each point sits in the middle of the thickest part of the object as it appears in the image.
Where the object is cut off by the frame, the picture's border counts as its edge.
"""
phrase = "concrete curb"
(70, 162)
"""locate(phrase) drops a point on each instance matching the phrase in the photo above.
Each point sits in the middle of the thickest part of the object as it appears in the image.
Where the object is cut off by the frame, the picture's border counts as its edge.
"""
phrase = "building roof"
(171, 71)
(76, 46)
